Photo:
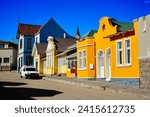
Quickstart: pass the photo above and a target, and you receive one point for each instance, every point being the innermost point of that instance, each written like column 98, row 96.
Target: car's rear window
column 30, row 69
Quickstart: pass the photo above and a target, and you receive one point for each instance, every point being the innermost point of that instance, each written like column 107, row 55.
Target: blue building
column 51, row 28
column 26, row 39
column 29, row 34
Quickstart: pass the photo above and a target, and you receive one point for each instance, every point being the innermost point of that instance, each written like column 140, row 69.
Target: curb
column 103, row 88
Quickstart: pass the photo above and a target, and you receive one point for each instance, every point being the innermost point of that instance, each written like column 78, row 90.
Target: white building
column 8, row 55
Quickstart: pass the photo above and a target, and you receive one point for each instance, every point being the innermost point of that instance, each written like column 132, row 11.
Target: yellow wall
column 52, row 70
column 62, row 69
column 105, row 43
column 68, row 72
column 126, row 71
column 89, row 46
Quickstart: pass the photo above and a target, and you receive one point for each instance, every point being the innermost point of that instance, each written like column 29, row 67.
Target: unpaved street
column 12, row 87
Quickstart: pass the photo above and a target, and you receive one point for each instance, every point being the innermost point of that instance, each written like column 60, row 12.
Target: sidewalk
column 100, row 85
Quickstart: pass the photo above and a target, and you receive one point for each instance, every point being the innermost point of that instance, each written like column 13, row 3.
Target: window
column 127, row 52
column 103, row 27
column 28, row 60
column 1, row 45
column 0, row 60
column 72, row 63
column 61, row 61
column 6, row 60
column 36, row 40
column 29, row 43
column 36, row 65
column 20, row 44
column 49, row 60
column 21, row 61
column 119, row 53
column 82, row 60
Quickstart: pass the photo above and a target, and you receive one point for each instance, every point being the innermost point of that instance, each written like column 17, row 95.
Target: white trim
column 97, row 60
column 85, row 45
column 109, row 78
column 126, row 64
column 117, row 64
column 99, row 51
column 47, row 62
column 82, row 68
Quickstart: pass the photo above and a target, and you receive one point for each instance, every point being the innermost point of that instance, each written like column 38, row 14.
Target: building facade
column 55, row 55
column 39, row 54
column 144, row 50
column 111, row 53
column 8, row 55
column 86, row 56
column 26, row 39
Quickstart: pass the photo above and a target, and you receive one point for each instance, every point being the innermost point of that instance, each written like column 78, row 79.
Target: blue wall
column 26, row 51
column 51, row 28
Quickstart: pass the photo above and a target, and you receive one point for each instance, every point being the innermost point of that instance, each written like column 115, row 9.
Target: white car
column 28, row 72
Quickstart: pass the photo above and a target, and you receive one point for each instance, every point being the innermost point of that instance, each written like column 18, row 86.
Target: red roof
column 41, row 47
column 28, row 29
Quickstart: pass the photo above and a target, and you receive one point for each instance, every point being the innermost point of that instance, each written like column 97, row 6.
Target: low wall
column 144, row 73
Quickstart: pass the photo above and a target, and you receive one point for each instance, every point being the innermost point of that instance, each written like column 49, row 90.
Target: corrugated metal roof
column 90, row 33
column 123, row 26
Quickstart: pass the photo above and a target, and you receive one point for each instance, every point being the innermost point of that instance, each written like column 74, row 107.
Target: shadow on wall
column 10, row 91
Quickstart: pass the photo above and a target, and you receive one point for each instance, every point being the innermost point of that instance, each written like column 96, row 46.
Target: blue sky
column 68, row 13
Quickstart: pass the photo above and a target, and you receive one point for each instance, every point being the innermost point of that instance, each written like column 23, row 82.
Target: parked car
column 28, row 72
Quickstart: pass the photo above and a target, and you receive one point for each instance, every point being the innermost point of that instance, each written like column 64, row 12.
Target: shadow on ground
column 10, row 91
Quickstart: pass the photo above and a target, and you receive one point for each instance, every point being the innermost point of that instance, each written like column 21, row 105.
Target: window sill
column 119, row 66
column 82, row 69
column 127, row 65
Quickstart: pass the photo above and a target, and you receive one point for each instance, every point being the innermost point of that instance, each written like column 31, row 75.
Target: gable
column 106, row 27
column 52, row 28
column 27, row 29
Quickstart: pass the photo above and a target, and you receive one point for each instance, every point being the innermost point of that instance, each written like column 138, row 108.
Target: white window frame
column 81, row 65
column 84, row 59
column 125, row 52
column 49, row 60
column 117, row 53
column 80, row 58
column 61, row 61
column 70, row 63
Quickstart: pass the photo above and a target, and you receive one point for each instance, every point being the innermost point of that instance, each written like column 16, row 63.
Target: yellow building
column 117, row 51
column 62, row 63
column 86, row 56
column 56, row 56
column 39, row 53
column 71, row 61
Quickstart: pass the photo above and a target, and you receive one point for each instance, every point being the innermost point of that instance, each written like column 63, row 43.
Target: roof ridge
column 29, row 24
